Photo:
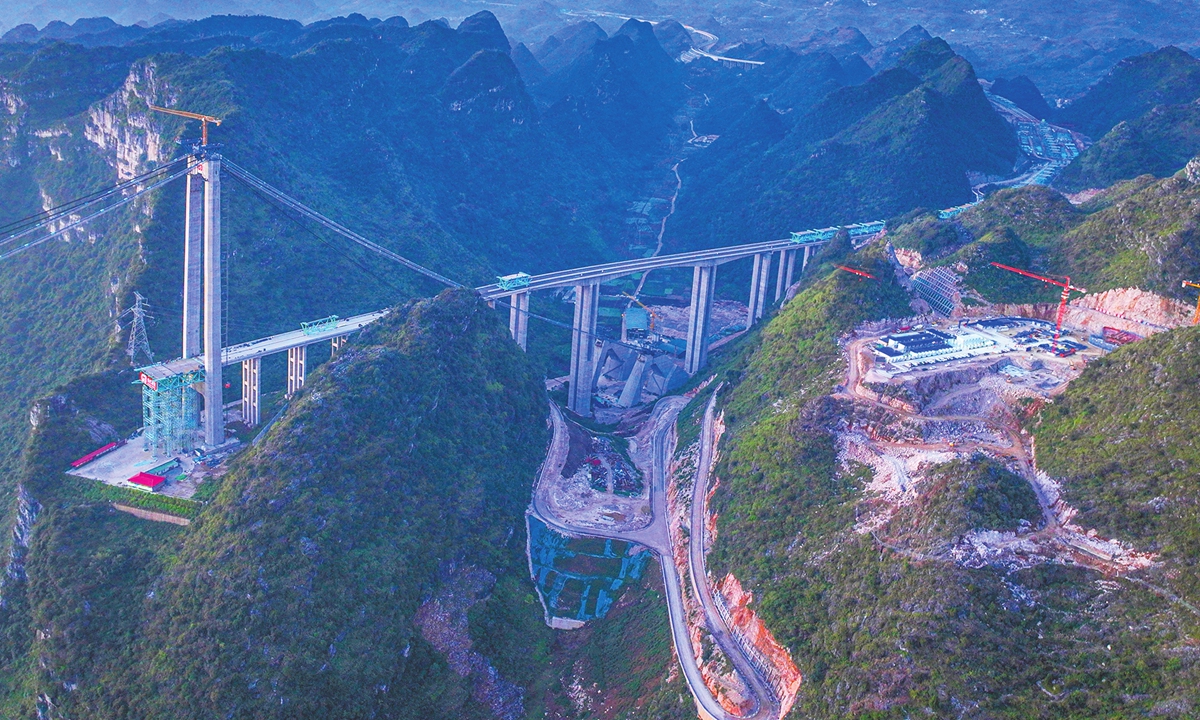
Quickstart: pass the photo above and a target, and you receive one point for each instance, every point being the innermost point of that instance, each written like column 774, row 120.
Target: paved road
column 656, row 536
column 763, row 694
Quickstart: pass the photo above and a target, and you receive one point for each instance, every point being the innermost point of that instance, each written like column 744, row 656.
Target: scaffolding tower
column 170, row 414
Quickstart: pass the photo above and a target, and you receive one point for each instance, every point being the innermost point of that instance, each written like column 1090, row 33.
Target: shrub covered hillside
column 1124, row 438
column 365, row 560
column 412, row 136
column 1139, row 233
column 903, row 139
column 904, row 631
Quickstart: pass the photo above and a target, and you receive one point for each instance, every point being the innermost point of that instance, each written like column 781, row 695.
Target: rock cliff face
column 771, row 657
column 27, row 513
column 121, row 124
column 1137, row 311
column 12, row 108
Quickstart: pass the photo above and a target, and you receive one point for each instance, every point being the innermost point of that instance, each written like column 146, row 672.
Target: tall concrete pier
column 518, row 318
column 583, row 330
column 703, row 287
column 214, row 418
column 760, row 280
column 251, row 391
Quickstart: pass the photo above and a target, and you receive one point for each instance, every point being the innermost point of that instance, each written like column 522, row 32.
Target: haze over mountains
column 369, row 554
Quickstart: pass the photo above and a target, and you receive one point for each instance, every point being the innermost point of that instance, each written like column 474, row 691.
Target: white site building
column 925, row 346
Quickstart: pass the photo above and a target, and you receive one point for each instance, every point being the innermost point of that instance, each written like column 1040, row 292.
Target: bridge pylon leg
column 583, row 330
column 251, row 391
column 518, row 318
column 703, row 288
column 297, row 357
column 214, row 407
column 193, row 264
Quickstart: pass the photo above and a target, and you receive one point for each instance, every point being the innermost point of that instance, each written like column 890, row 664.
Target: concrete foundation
column 703, row 288
column 518, row 318
column 214, row 419
column 297, row 358
column 251, row 391
column 587, row 305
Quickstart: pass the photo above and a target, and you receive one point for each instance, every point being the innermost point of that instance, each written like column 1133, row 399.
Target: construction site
column 925, row 395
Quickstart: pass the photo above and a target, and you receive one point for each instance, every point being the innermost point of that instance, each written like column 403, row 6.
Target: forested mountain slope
column 904, row 138
column 417, row 150
column 397, row 481
column 899, row 627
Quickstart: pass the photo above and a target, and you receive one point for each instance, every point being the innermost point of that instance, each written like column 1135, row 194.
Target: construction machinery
column 1196, row 315
column 204, row 120
column 1066, row 286
column 649, row 313
column 860, row 273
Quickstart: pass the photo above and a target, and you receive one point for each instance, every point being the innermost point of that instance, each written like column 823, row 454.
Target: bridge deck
column 609, row 271
column 295, row 338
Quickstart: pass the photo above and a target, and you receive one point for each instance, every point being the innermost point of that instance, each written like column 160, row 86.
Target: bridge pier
column 518, row 318
column 297, row 357
column 760, row 280
column 251, row 391
column 337, row 343
column 791, row 266
column 703, row 287
column 583, row 330
column 780, row 281
column 807, row 254
column 214, row 407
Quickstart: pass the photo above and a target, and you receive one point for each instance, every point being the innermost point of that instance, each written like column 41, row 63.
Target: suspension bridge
column 184, row 397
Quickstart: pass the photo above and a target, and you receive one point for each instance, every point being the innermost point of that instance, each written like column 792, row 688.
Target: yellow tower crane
column 649, row 312
column 1196, row 315
column 204, row 120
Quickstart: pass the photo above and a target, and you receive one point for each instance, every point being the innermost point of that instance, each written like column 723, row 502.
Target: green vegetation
column 1164, row 77
column 413, row 449
column 1123, row 438
column 901, row 140
column 1158, row 143
column 921, row 230
column 961, row 496
column 881, row 632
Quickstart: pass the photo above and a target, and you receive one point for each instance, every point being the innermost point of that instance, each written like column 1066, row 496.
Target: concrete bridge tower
column 214, row 406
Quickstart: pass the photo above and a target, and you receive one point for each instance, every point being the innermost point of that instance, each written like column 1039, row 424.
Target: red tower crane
column 861, row 273
column 1066, row 286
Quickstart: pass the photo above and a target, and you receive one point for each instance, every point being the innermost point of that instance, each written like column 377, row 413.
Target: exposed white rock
column 122, row 126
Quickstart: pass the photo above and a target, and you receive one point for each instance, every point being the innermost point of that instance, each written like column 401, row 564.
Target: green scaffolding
column 170, row 413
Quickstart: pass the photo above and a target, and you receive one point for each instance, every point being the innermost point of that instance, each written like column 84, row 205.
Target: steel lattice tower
column 137, row 329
